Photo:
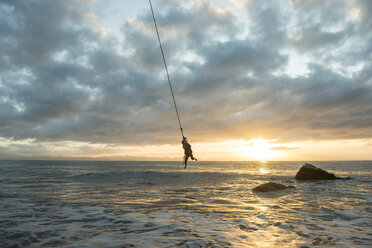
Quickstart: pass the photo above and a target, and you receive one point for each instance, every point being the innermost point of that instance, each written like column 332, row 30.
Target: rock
column 311, row 172
column 271, row 187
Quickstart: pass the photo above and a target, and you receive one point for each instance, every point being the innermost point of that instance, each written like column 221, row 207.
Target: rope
column 166, row 69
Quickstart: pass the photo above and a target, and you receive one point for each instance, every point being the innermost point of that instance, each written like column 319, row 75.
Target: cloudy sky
column 254, row 80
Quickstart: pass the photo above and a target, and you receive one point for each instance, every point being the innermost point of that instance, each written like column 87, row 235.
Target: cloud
column 63, row 77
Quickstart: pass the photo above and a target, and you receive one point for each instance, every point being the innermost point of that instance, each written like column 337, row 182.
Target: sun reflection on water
column 263, row 208
column 263, row 171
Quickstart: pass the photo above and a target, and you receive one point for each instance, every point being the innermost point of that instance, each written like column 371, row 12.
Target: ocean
column 159, row 204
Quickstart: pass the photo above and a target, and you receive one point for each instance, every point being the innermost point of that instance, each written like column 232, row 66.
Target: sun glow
column 259, row 150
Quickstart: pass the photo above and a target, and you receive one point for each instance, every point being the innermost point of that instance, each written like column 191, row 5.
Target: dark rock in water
column 271, row 187
column 311, row 172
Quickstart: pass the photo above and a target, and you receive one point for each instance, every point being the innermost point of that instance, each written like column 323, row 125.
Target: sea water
column 159, row 204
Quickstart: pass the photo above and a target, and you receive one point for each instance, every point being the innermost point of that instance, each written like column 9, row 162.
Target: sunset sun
column 259, row 150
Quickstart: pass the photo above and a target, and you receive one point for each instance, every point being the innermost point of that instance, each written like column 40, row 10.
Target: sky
column 253, row 80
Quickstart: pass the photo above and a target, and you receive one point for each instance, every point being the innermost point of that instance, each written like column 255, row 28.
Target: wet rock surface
column 311, row 172
column 266, row 187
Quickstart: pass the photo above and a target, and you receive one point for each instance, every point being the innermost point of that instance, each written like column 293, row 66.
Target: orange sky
column 232, row 150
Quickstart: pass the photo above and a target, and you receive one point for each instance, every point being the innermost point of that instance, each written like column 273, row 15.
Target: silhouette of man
column 188, row 151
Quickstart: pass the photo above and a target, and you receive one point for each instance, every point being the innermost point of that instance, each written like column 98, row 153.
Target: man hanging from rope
column 188, row 151
column 186, row 145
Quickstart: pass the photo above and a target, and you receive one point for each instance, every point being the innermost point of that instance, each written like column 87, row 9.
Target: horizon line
column 102, row 160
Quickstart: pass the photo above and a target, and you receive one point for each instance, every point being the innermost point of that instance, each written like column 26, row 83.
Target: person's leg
column 192, row 157
column 186, row 158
